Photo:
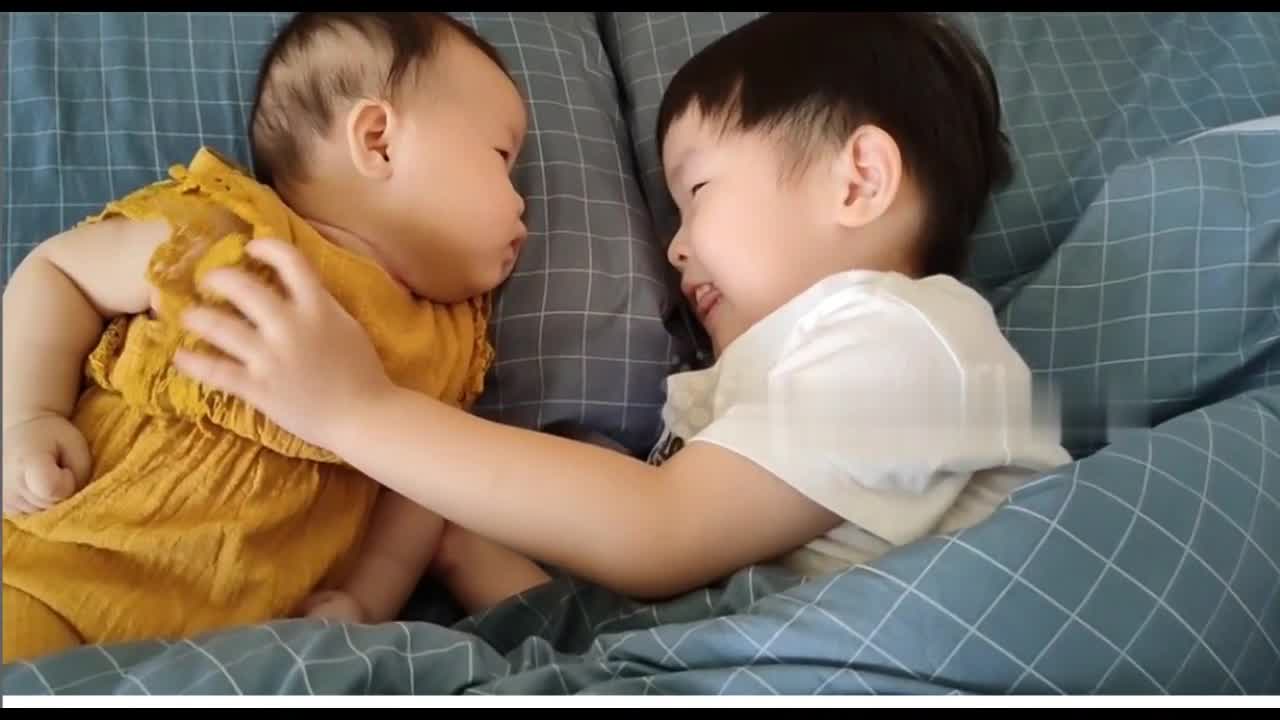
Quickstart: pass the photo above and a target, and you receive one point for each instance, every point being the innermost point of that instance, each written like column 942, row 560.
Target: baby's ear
column 868, row 172
column 370, row 124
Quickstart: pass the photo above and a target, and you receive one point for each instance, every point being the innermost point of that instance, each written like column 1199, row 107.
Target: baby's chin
column 482, row 285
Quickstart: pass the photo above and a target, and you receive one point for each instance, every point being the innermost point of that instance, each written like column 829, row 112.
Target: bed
column 1135, row 262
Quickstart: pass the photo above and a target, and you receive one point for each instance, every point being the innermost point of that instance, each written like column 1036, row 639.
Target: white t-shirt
column 894, row 402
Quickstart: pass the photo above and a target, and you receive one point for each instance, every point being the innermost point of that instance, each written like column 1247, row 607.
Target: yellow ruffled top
column 437, row 349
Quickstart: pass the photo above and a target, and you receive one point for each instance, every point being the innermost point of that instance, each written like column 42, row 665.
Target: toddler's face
column 748, row 241
column 458, row 225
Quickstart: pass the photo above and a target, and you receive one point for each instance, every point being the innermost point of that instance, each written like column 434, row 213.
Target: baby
column 829, row 170
column 146, row 505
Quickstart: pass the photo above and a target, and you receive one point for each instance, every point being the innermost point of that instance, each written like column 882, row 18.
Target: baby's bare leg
column 403, row 538
column 480, row 573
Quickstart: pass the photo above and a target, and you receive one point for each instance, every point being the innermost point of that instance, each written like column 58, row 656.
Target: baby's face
column 458, row 219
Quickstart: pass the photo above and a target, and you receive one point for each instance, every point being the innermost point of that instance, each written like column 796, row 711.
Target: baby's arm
column 403, row 538
column 55, row 306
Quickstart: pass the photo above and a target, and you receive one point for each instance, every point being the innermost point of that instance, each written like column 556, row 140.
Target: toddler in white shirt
column 825, row 212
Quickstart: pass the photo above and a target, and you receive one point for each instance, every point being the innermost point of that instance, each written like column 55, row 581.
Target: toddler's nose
column 678, row 251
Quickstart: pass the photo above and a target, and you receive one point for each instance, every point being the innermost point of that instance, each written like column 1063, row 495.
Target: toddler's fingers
column 225, row 375
column 298, row 278
column 253, row 298
column 224, row 331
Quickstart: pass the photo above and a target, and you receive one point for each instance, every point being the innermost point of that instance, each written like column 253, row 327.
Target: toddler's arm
column 55, row 306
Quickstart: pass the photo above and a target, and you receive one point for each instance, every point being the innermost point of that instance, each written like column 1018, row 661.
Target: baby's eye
column 506, row 156
column 694, row 190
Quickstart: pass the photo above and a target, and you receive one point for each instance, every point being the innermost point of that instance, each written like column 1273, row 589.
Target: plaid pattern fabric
column 1135, row 263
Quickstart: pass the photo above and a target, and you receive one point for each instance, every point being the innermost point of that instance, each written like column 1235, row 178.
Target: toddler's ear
column 370, row 124
column 868, row 172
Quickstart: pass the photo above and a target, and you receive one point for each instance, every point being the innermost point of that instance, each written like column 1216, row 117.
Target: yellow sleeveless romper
column 200, row 513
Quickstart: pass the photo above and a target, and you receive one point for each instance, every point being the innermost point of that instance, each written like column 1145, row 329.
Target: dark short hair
column 816, row 77
column 296, row 95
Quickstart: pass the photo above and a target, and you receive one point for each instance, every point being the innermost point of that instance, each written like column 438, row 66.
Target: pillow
column 101, row 103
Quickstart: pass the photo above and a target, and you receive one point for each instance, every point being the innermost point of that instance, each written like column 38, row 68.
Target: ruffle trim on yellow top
column 214, row 209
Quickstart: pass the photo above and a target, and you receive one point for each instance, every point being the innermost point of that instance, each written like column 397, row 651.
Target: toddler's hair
column 321, row 61
column 810, row 79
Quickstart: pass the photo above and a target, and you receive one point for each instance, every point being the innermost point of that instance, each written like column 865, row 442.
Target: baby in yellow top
column 141, row 505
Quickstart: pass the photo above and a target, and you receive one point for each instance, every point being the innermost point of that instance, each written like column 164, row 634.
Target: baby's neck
column 309, row 208
column 354, row 242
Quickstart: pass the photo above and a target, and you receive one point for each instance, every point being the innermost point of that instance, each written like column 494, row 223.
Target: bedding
column 1135, row 263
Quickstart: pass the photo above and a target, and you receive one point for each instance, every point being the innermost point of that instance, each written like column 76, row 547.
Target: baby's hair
column 303, row 79
column 811, row 79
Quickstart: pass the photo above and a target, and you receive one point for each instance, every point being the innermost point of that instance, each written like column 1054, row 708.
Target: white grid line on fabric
column 1272, row 596
column 8, row 156
column 151, row 95
column 408, row 644
column 1187, row 552
column 217, row 664
column 581, row 607
column 120, row 671
column 1209, row 423
column 1244, row 286
column 235, row 75
column 536, row 127
column 102, row 50
column 195, row 84
column 1109, row 563
column 1227, row 591
column 368, row 663
column 761, row 650
column 57, row 123
column 298, row 665
column 630, row 230
column 586, row 214
column 1035, row 200
column 1133, row 152
column 1015, row 576
column 1122, row 320
column 1159, row 600
column 909, row 589
column 856, row 676
column 1275, row 589
column 866, row 640
column 746, row 671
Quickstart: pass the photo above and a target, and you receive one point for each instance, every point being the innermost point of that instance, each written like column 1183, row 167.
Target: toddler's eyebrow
column 681, row 164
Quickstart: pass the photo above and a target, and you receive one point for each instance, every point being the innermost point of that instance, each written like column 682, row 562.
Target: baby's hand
column 46, row 460
column 334, row 605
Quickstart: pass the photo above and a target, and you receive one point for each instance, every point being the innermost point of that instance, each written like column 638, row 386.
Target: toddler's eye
column 694, row 190
column 506, row 156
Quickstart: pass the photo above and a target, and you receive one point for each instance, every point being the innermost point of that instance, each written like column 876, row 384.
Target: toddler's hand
column 334, row 605
column 302, row 360
column 46, row 460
